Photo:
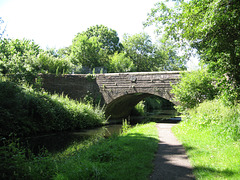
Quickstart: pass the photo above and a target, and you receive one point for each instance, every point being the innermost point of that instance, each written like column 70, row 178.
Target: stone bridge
column 120, row 92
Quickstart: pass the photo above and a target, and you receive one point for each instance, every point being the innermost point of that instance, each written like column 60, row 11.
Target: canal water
column 58, row 142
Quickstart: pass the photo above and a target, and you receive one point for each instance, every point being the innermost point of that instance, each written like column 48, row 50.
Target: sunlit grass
column 128, row 156
column 213, row 149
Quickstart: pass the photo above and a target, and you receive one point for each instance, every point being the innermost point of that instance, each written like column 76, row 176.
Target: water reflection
column 59, row 142
column 162, row 115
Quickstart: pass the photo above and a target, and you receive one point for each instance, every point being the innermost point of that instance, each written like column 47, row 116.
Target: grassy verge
column 27, row 111
column 127, row 156
column 210, row 135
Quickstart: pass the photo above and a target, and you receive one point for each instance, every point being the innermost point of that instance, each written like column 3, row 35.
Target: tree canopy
column 147, row 56
column 107, row 37
column 210, row 26
column 92, row 47
column 15, row 55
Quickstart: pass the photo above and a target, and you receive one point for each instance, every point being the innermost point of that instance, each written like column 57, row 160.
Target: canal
column 59, row 142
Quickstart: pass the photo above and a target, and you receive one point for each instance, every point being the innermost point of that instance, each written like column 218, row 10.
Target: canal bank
column 127, row 156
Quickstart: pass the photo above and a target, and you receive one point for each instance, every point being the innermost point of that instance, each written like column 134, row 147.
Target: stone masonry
column 120, row 92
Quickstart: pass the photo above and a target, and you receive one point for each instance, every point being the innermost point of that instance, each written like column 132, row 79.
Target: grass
column 26, row 111
column 211, row 137
column 127, row 156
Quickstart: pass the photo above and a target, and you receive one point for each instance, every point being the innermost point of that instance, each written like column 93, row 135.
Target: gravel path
column 171, row 161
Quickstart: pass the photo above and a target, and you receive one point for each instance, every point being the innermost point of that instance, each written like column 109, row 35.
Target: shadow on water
column 59, row 142
column 159, row 116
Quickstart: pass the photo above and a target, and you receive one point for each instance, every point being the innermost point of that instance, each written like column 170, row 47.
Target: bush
column 157, row 103
column 138, row 110
column 47, row 63
column 194, row 87
column 17, row 57
column 221, row 119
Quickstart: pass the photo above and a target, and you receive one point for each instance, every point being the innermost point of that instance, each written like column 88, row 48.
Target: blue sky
column 54, row 23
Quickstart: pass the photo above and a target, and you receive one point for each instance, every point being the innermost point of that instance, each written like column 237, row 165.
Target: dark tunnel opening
column 123, row 106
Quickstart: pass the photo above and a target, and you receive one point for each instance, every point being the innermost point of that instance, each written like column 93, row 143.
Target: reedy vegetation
column 27, row 111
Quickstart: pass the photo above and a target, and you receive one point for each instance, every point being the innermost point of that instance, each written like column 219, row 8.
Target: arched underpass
column 121, row 107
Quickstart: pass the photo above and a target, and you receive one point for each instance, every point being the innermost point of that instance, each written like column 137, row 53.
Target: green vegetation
column 23, row 60
column 155, row 103
column 26, row 111
column 208, row 97
column 211, row 27
column 211, row 133
column 150, row 105
column 48, row 63
column 193, row 88
column 147, row 56
column 91, row 48
column 127, row 156
column 120, row 62
column 97, row 47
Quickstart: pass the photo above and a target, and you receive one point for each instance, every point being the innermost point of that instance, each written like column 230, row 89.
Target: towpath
column 171, row 161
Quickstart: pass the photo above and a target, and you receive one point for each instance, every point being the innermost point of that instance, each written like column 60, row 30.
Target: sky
column 54, row 23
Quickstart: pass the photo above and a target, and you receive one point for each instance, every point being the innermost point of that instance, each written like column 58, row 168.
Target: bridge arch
column 122, row 106
column 117, row 90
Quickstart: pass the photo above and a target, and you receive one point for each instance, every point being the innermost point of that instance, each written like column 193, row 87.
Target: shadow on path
column 171, row 161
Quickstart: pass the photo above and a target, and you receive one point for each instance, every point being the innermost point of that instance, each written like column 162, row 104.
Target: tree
column 140, row 49
column 87, row 51
column 210, row 26
column 14, row 55
column 17, row 58
column 92, row 47
column 107, row 37
column 147, row 56
column 23, row 60
column 120, row 62
column 168, row 52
